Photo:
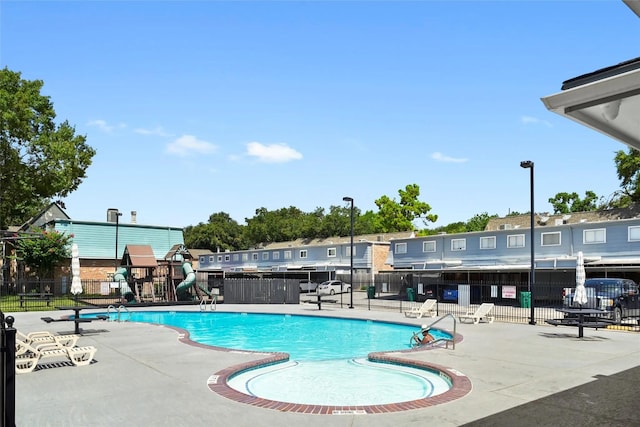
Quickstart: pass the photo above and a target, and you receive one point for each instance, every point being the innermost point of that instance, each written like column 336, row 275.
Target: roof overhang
column 606, row 100
column 633, row 5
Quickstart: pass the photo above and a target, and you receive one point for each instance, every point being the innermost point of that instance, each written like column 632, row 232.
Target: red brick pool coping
column 460, row 383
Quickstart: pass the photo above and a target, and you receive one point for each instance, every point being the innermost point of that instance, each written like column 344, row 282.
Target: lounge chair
column 28, row 356
column 45, row 337
column 426, row 309
column 481, row 314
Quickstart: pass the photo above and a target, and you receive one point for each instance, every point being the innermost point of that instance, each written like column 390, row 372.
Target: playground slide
column 187, row 283
column 120, row 276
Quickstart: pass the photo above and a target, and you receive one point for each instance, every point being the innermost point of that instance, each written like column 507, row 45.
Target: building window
column 458, row 244
column 219, row 258
column 265, row 256
column 303, row 253
column 275, row 255
column 331, row 252
column 429, row 246
column 551, row 239
column 400, row 248
column 236, row 257
column 348, row 251
column 597, row 235
column 212, row 258
column 287, row 254
column 245, row 257
column 254, row 256
column 515, row 241
column 203, row 259
column 227, row 258
column 488, row 242
column 634, row 234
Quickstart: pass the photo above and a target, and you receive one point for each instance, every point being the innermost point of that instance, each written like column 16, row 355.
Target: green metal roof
column 97, row 240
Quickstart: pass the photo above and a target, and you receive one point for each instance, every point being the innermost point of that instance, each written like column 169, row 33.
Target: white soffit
column 610, row 106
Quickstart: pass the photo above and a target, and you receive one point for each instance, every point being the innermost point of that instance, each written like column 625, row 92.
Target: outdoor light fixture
column 350, row 199
column 528, row 164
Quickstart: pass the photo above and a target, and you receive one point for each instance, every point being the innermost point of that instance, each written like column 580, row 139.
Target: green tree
column 628, row 167
column 399, row 216
column 479, row 222
column 39, row 160
column 42, row 251
column 276, row 226
column 220, row 233
column 570, row 202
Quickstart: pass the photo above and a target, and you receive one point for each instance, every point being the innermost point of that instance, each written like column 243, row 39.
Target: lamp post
column 350, row 199
column 118, row 215
column 528, row 164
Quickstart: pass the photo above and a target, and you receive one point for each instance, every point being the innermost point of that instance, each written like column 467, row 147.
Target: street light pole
column 528, row 164
column 350, row 199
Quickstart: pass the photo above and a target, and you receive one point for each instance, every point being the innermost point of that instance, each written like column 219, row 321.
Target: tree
column 479, row 222
column 628, row 167
column 399, row 216
column 220, row 233
column 39, row 160
column 42, row 251
column 564, row 203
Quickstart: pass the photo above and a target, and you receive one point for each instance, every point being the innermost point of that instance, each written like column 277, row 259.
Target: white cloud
column 529, row 120
column 274, row 153
column 188, row 144
column 158, row 131
column 442, row 158
column 104, row 126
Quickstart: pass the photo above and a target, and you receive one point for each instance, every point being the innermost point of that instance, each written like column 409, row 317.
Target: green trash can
column 371, row 292
column 410, row 294
column 525, row 299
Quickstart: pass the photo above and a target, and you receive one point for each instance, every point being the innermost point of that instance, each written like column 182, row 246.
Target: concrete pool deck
column 520, row 374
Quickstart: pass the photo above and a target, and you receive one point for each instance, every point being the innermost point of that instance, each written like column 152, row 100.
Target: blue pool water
column 303, row 337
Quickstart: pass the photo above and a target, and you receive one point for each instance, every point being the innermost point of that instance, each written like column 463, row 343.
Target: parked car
column 308, row 286
column 619, row 297
column 332, row 287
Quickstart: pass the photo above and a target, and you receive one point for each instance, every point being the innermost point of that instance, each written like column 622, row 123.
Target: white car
column 332, row 287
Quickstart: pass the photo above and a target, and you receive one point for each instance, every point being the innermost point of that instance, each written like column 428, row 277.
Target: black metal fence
column 7, row 371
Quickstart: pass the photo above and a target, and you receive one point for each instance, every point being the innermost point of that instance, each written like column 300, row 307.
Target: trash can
column 525, row 299
column 410, row 294
column 371, row 292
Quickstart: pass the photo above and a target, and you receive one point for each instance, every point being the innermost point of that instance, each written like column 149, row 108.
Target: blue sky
column 202, row 107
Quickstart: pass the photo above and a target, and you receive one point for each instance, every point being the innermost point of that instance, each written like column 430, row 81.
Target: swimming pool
column 328, row 364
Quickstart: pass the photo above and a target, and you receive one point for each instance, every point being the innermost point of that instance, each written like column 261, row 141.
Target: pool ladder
column 212, row 304
column 445, row 340
column 119, row 310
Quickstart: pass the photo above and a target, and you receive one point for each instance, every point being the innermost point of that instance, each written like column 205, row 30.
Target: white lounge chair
column 45, row 337
column 426, row 309
column 481, row 314
column 28, row 356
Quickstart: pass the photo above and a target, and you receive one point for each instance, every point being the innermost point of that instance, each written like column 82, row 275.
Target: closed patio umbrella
column 76, row 284
column 580, row 294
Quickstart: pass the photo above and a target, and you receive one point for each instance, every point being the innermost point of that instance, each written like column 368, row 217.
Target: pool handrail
column 212, row 304
column 446, row 340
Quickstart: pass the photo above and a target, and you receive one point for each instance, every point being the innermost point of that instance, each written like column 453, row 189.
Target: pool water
column 328, row 356
column 350, row 382
column 302, row 337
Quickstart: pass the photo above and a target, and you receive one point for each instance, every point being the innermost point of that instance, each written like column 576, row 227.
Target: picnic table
column 320, row 301
column 582, row 318
column 76, row 318
column 39, row 296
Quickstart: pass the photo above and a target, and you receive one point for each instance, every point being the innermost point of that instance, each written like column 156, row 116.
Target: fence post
column 8, row 370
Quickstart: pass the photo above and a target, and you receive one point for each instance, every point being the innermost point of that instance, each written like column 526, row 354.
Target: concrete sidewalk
column 521, row 375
